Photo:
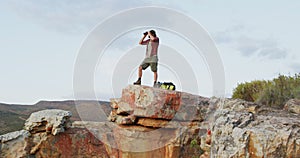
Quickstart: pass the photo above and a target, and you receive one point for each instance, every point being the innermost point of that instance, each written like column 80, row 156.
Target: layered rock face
column 151, row 122
column 244, row 129
column 140, row 104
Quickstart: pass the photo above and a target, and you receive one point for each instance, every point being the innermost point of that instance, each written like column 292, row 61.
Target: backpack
column 167, row 85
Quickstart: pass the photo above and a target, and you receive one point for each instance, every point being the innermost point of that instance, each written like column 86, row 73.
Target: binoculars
column 145, row 33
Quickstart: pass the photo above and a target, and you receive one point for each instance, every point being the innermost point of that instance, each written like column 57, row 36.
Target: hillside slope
column 13, row 116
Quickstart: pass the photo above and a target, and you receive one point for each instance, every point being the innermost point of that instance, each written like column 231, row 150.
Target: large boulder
column 162, row 104
column 293, row 105
column 237, row 105
column 52, row 121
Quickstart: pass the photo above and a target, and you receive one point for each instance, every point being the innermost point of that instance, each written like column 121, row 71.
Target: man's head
column 152, row 32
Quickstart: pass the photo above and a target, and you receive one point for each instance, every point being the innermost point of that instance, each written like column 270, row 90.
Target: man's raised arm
column 142, row 40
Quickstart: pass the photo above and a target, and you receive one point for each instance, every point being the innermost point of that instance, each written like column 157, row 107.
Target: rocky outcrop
column 245, row 129
column 159, row 123
column 13, row 144
column 39, row 127
column 151, row 122
column 147, row 122
column 293, row 106
column 154, row 103
column 51, row 121
column 247, row 135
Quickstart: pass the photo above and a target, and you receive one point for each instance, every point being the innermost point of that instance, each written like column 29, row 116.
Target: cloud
column 69, row 16
column 273, row 53
column 239, row 37
column 73, row 16
column 227, row 35
column 246, row 46
column 266, row 48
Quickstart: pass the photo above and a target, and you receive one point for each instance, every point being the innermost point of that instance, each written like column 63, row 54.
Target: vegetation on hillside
column 273, row 93
column 11, row 122
column 12, row 117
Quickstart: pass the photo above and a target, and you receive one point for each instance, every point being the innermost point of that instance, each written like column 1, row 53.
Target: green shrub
column 194, row 143
column 272, row 93
column 249, row 91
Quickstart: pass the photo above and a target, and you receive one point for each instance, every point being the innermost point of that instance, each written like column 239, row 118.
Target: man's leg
column 142, row 67
column 154, row 70
column 155, row 83
column 140, row 72
column 155, row 76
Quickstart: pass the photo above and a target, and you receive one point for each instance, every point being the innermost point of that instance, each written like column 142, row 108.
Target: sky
column 40, row 42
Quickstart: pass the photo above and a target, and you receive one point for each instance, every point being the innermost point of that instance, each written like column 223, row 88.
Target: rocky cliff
column 151, row 122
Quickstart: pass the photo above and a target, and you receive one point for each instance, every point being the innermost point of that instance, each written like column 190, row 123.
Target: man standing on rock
column 151, row 58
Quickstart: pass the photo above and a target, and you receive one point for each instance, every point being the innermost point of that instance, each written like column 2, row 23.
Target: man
column 151, row 58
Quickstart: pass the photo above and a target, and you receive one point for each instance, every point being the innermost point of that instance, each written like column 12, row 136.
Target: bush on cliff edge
column 271, row 93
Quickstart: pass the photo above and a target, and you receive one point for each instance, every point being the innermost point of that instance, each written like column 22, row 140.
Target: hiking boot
column 156, row 84
column 138, row 82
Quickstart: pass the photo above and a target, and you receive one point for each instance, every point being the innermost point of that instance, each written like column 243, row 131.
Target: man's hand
column 142, row 40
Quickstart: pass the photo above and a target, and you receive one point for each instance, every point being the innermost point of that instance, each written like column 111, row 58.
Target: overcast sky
column 40, row 40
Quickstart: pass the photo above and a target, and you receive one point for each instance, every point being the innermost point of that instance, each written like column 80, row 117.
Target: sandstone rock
column 155, row 123
column 114, row 102
column 293, row 105
column 240, row 134
column 12, row 144
column 162, row 104
column 112, row 116
column 159, row 123
column 53, row 121
column 205, row 155
column 234, row 105
column 149, row 142
column 148, row 102
column 125, row 120
column 124, row 109
column 101, row 139
column 13, row 135
column 119, row 141
column 74, row 142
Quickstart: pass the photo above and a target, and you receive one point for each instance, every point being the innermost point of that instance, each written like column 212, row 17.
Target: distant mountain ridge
column 13, row 116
